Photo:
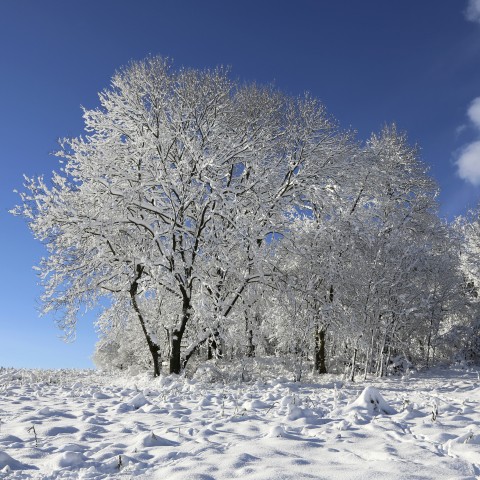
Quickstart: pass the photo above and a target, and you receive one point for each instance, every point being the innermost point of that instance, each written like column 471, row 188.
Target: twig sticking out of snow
column 434, row 410
column 32, row 429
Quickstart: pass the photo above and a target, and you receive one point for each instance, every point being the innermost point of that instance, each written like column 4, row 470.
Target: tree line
column 218, row 219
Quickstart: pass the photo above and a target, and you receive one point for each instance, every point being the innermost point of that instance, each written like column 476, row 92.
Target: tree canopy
column 210, row 214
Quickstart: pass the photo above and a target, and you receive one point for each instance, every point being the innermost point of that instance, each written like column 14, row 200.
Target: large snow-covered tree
column 180, row 180
column 201, row 212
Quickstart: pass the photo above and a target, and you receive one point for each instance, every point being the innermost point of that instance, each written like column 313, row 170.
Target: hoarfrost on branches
column 228, row 220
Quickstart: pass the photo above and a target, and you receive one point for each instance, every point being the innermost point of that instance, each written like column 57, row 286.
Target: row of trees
column 210, row 217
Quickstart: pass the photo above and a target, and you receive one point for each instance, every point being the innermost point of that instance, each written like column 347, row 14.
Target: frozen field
column 91, row 426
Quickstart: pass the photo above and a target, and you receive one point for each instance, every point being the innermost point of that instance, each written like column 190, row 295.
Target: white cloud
column 474, row 112
column 468, row 161
column 468, row 164
column 473, row 11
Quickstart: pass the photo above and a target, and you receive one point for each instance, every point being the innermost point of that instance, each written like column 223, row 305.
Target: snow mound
column 46, row 411
column 277, row 431
column 295, row 413
column 372, row 401
column 71, row 459
column 8, row 439
column 53, row 431
column 72, row 447
column 8, row 463
column 100, row 396
column 255, row 405
column 151, row 440
column 287, row 400
column 49, row 412
column 138, row 401
column 118, row 462
column 123, row 408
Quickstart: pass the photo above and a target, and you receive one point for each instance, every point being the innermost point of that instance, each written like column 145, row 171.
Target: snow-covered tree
column 181, row 173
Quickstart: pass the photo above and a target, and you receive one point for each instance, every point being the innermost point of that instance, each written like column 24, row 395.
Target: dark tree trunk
column 354, row 361
column 320, row 352
column 250, row 345
column 250, row 350
column 175, row 363
column 152, row 346
column 320, row 355
column 215, row 346
column 209, row 350
column 177, row 335
column 155, row 353
column 429, row 340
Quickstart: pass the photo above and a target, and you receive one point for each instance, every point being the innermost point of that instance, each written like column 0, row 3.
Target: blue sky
column 416, row 63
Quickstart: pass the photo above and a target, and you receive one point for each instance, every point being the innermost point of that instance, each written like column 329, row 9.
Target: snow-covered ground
column 91, row 426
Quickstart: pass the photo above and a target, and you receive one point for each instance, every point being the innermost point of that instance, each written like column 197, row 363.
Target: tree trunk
column 191, row 351
column 381, row 358
column 250, row 345
column 320, row 353
column 209, row 349
column 175, row 363
column 250, row 350
column 214, row 347
column 155, row 353
column 354, row 360
column 217, row 345
column 429, row 340
column 368, row 360
column 177, row 335
column 152, row 346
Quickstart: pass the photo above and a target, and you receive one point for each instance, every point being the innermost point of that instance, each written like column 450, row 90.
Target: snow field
column 90, row 426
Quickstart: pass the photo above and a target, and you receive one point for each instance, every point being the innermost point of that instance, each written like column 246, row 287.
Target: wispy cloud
column 474, row 112
column 473, row 11
column 468, row 162
column 459, row 130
